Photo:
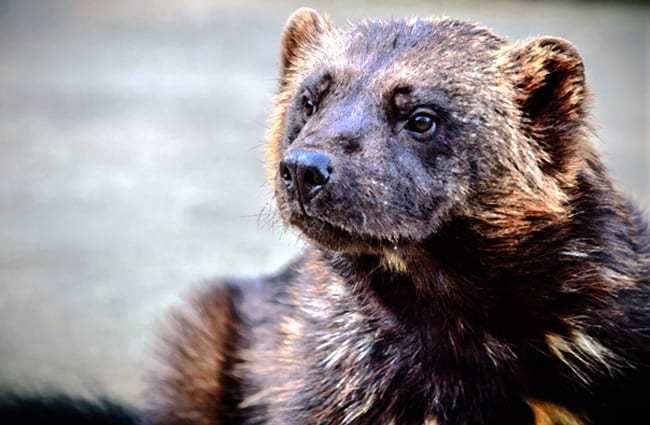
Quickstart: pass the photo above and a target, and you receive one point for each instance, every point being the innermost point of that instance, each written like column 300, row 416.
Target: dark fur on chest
column 475, row 348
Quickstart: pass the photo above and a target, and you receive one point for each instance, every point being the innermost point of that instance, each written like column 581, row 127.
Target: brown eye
column 308, row 107
column 421, row 122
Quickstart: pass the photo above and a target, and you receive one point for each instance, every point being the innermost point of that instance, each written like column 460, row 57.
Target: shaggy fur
column 470, row 261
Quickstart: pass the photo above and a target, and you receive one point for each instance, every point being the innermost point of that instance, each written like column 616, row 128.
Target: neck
column 460, row 277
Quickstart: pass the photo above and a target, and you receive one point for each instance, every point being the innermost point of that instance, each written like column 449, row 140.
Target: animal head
column 385, row 131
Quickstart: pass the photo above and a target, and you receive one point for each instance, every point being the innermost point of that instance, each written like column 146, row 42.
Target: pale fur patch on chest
column 583, row 354
column 393, row 261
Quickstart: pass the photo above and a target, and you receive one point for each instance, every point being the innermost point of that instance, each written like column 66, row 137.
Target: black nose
column 305, row 172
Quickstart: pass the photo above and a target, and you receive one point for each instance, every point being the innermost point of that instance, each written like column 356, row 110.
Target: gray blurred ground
column 131, row 159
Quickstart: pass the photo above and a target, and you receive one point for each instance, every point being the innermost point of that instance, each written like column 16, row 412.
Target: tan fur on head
column 552, row 94
column 550, row 98
column 302, row 29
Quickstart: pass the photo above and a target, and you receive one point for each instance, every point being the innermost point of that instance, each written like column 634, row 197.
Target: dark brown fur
column 483, row 272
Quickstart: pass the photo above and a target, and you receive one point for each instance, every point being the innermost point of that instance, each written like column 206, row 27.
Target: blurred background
column 131, row 158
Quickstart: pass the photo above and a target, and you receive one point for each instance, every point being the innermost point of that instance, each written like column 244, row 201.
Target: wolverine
column 469, row 261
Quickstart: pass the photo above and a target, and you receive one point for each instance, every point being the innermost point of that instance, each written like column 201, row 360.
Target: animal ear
column 552, row 95
column 303, row 28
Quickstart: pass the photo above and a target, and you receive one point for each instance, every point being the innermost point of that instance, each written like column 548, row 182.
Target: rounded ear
column 552, row 94
column 303, row 28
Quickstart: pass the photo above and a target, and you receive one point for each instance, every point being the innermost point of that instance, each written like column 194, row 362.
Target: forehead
column 425, row 52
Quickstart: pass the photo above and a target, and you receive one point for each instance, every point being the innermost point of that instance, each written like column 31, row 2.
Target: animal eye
column 421, row 122
column 308, row 106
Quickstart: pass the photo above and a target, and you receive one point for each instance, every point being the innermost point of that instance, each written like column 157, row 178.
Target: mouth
column 336, row 236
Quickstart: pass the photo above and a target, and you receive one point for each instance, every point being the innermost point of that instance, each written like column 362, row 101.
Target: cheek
column 430, row 184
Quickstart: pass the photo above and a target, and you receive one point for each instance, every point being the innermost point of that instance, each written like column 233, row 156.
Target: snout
column 305, row 173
